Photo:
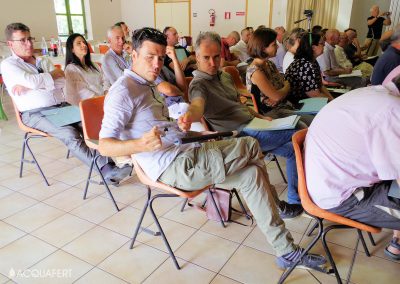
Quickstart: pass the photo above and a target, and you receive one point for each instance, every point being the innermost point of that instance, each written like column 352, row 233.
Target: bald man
column 228, row 58
column 375, row 23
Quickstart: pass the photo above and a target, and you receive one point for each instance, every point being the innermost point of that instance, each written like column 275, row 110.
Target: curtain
column 325, row 13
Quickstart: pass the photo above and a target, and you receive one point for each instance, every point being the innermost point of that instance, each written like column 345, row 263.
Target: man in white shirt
column 240, row 49
column 280, row 53
column 35, row 85
column 116, row 59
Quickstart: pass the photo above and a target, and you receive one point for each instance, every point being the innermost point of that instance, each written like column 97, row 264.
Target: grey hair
column 13, row 27
column 111, row 29
column 396, row 34
column 211, row 36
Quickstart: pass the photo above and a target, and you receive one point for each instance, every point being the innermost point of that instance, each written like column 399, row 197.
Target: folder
column 355, row 73
column 259, row 124
column 63, row 115
column 311, row 105
column 180, row 54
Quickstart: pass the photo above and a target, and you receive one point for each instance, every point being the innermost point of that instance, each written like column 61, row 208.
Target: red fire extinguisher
column 212, row 17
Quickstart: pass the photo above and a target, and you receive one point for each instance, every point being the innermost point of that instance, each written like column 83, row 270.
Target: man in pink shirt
column 352, row 158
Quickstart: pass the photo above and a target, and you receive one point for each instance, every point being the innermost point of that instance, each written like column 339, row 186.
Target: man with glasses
column 35, row 85
column 135, row 124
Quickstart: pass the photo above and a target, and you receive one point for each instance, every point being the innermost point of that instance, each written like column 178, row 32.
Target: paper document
column 338, row 90
column 355, row 73
column 275, row 124
column 312, row 105
column 63, row 115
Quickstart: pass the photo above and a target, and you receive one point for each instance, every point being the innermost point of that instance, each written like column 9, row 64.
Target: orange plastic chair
column 236, row 79
column 92, row 115
column 320, row 214
column 58, row 66
column 171, row 192
column 90, row 48
column 103, row 48
column 29, row 133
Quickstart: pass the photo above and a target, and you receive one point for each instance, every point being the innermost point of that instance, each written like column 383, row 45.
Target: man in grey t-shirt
column 135, row 122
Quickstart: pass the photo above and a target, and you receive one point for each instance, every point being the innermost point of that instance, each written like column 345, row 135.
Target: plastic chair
column 320, row 214
column 92, row 115
column 29, row 133
column 3, row 115
column 171, row 192
column 103, row 48
column 236, row 79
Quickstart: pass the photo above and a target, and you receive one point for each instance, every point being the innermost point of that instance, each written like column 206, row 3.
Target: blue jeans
column 278, row 142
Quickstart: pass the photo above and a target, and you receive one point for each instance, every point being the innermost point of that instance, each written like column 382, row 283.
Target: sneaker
column 115, row 175
column 309, row 260
column 289, row 211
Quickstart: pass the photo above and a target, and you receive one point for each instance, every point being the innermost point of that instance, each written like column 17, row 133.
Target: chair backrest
column 92, row 115
column 188, row 80
column 58, row 66
column 25, row 128
column 147, row 181
column 90, row 47
column 236, row 77
column 103, row 48
column 308, row 205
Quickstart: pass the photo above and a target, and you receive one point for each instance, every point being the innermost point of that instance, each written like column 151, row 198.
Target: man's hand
column 267, row 118
column 151, row 140
column 348, row 70
column 19, row 90
column 185, row 122
column 57, row 73
column 170, row 51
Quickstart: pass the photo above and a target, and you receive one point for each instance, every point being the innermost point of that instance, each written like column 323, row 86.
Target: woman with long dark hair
column 303, row 73
column 84, row 78
column 263, row 79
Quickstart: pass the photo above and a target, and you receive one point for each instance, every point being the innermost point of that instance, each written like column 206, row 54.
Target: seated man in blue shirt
column 134, row 123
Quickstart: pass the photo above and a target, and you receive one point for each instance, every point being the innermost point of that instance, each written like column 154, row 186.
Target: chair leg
column 171, row 253
column 371, row 238
column 361, row 237
column 306, row 250
column 139, row 224
column 244, row 211
column 105, row 183
column 34, row 159
column 312, row 229
column 21, row 166
column 184, row 204
column 279, row 168
column 68, row 154
column 328, row 252
column 89, row 177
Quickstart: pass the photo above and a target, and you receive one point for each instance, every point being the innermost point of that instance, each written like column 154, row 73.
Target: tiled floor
column 51, row 235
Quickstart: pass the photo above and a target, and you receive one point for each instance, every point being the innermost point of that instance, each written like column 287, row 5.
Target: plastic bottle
column 44, row 47
column 60, row 47
column 53, row 47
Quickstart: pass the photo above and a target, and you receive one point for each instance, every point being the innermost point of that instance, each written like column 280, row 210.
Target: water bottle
column 44, row 47
column 53, row 47
column 60, row 47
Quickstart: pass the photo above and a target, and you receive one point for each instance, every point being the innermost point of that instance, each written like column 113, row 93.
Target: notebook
column 180, row 54
column 355, row 73
column 311, row 105
column 289, row 122
column 63, row 116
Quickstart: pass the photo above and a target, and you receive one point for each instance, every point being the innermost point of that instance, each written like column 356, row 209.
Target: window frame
column 69, row 16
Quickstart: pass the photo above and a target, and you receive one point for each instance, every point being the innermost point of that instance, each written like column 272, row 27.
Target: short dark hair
column 165, row 30
column 70, row 57
column 13, row 27
column 305, row 48
column 262, row 38
column 350, row 29
column 316, row 29
column 150, row 34
column 119, row 24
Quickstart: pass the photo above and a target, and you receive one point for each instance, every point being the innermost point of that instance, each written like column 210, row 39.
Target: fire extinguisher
column 212, row 17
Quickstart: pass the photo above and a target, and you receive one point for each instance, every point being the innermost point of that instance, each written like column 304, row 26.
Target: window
column 70, row 16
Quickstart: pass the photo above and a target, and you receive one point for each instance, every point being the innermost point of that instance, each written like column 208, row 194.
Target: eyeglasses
column 24, row 40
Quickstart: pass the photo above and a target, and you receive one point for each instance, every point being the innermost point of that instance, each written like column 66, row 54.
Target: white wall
column 134, row 18
column 344, row 14
column 222, row 26
column 257, row 13
column 39, row 16
column 104, row 14
column 173, row 15
column 279, row 9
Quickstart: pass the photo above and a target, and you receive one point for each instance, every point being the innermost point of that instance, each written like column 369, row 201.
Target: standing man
column 133, row 123
column 116, row 58
column 213, row 95
column 352, row 164
column 34, row 86
column 375, row 24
